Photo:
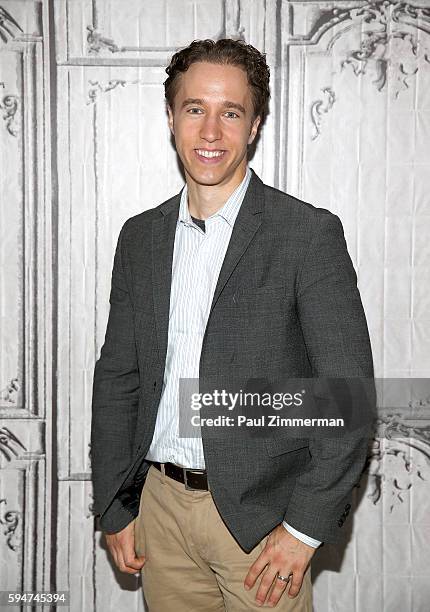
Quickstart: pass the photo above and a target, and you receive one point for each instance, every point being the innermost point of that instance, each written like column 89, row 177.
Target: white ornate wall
column 84, row 144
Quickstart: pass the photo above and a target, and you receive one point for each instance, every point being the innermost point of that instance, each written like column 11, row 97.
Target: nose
column 210, row 128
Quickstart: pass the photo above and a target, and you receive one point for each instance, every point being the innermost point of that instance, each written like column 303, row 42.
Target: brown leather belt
column 194, row 480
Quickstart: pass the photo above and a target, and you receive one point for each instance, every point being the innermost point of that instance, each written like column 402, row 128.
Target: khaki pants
column 193, row 562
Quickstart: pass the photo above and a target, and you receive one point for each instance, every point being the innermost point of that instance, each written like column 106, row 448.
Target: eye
column 230, row 113
column 190, row 110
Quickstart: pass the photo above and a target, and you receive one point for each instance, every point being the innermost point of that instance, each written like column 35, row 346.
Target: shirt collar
column 228, row 211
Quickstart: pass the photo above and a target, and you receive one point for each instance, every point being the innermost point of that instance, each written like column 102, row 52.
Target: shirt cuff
column 301, row 536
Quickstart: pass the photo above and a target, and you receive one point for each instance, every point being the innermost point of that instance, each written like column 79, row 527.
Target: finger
column 265, row 585
column 127, row 546
column 131, row 560
column 135, row 563
column 296, row 584
column 255, row 570
column 124, row 555
column 278, row 588
column 125, row 566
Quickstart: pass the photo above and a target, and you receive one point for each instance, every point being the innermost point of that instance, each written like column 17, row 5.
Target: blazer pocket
column 278, row 445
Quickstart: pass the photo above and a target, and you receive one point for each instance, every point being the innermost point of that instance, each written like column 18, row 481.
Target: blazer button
column 155, row 385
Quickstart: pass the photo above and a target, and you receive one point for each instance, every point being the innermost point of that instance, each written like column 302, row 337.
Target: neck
column 206, row 200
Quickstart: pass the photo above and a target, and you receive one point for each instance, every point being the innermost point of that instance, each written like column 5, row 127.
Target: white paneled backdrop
column 84, row 144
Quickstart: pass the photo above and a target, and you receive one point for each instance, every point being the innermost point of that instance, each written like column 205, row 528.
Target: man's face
column 212, row 122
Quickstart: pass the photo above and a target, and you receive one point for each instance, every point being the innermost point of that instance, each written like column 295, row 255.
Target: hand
column 285, row 554
column 121, row 547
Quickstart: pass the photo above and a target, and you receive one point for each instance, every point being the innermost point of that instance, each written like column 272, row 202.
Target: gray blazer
column 286, row 305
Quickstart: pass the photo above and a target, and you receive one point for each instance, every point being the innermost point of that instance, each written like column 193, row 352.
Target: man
column 230, row 275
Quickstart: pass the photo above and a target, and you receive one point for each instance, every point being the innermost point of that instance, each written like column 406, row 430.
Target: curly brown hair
column 223, row 51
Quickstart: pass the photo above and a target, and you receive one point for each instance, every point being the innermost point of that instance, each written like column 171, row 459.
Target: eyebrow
column 225, row 103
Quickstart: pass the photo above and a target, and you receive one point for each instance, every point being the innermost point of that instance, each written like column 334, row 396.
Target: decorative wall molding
column 392, row 487
column 319, row 108
column 8, row 441
column 9, row 104
column 90, row 509
column 391, row 47
column 8, row 393
column 96, row 42
column 382, row 12
column 97, row 88
column 7, row 24
column 11, row 520
column 402, row 437
column 377, row 46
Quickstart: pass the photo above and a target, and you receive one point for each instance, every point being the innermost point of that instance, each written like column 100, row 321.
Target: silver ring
column 284, row 578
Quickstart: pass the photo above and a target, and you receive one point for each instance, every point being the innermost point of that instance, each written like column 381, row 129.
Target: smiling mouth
column 207, row 156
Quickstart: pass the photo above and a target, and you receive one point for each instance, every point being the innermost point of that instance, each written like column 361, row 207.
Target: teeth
column 209, row 153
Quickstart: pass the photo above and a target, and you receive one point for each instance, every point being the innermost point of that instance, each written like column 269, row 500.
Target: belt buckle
column 187, row 486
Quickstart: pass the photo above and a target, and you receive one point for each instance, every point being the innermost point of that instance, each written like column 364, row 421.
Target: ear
column 254, row 129
column 170, row 119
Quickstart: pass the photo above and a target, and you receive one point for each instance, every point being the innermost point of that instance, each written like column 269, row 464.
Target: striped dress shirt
column 197, row 259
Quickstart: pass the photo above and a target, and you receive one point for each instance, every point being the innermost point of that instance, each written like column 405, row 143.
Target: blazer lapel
column 247, row 223
column 163, row 240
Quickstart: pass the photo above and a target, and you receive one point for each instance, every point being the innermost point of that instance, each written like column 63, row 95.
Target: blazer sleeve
column 115, row 401
column 337, row 342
